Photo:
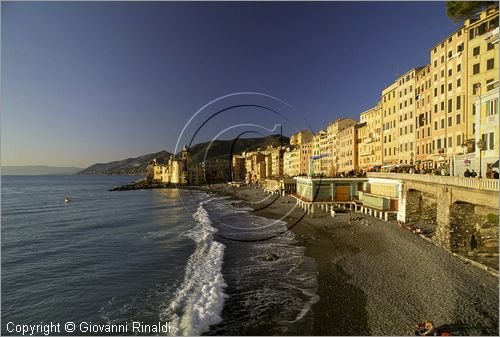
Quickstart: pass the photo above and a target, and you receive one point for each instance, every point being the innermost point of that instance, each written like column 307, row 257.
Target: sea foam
column 198, row 302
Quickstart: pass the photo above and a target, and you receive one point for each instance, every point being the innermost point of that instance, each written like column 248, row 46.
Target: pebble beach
column 377, row 278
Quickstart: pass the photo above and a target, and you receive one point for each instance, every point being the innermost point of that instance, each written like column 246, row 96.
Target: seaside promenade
column 378, row 278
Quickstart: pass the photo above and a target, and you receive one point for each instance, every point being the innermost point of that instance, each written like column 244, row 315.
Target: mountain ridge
column 219, row 149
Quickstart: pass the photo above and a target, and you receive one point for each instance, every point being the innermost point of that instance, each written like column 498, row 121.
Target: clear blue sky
column 93, row 82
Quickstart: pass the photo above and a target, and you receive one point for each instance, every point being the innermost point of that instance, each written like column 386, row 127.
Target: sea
column 194, row 261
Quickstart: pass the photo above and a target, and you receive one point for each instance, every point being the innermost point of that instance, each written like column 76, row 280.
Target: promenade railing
column 476, row 183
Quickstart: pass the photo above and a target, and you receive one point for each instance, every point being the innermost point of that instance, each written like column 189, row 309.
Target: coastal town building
column 390, row 125
column 333, row 129
column 482, row 60
column 449, row 83
column 348, row 149
column 423, row 119
column 305, row 157
column 301, row 137
column 291, row 161
column 405, row 114
column 370, row 139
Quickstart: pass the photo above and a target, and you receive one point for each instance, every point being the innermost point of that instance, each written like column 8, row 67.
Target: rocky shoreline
column 376, row 277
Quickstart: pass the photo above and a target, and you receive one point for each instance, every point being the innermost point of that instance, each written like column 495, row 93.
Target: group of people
column 490, row 174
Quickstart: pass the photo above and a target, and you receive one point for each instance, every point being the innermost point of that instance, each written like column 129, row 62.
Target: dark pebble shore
column 376, row 278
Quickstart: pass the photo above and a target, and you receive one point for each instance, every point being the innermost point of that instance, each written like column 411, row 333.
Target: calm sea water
column 146, row 256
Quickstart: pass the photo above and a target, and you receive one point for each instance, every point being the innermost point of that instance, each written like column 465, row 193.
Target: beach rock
column 272, row 257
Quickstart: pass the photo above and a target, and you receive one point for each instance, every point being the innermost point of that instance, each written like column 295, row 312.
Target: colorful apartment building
column 390, row 144
column 348, row 149
column 423, row 119
column 370, row 139
column 405, row 93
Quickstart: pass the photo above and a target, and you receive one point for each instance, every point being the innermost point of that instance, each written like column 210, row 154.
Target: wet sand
column 375, row 278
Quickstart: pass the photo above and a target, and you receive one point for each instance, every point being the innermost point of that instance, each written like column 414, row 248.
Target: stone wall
column 473, row 234
column 421, row 210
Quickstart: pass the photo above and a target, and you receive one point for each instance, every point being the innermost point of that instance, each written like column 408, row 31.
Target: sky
column 87, row 82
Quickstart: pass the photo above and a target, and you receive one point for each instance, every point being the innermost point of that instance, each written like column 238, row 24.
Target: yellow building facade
column 390, row 144
column 370, row 138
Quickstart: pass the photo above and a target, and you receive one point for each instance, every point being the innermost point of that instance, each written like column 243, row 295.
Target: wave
column 198, row 302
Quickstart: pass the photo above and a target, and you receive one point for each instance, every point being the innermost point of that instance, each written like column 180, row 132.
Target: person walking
column 467, row 173
column 473, row 174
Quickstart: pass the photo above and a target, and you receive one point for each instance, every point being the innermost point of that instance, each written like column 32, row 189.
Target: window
column 439, row 143
column 442, row 58
column 475, row 51
column 435, row 108
column 459, row 83
column 450, row 86
column 450, row 72
column 442, row 88
column 491, row 107
column 490, row 64
column 459, row 102
column 442, row 123
column 411, row 128
column 490, row 46
column 442, row 106
column 475, row 69
column 473, row 109
column 459, row 139
column 435, row 77
column 450, row 105
column 435, row 91
column 458, row 119
column 435, row 63
column 475, row 88
column 450, row 121
column 435, row 125
column 406, row 130
column 459, row 68
column 491, row 143
column 442, row 73
column 450, row 142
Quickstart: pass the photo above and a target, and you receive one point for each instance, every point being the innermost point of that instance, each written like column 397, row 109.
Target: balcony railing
column 476, row 183
column 492, row 36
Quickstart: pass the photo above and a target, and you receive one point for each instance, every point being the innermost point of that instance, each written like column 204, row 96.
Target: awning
column 495, row 164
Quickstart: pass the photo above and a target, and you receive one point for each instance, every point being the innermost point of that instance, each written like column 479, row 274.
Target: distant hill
column 129, row 166
column 219, row 149
column 222, row 148
column 35, row 170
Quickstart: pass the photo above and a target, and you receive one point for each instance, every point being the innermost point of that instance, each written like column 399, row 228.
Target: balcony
column 492, row 36
column 366, row 153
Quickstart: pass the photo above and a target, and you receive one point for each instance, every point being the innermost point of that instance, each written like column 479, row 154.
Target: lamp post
column 481, row 145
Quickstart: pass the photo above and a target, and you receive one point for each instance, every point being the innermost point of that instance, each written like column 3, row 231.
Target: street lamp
column 481, row 145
